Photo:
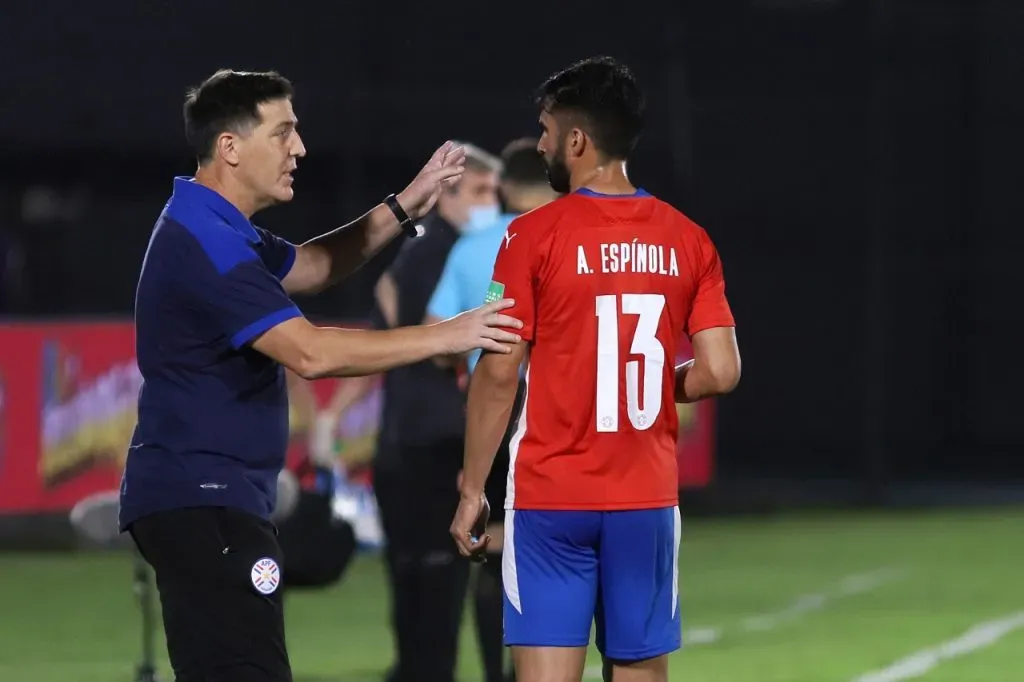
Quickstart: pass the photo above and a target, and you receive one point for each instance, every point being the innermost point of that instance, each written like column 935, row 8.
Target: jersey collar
column 638, row 194
column 188, row 191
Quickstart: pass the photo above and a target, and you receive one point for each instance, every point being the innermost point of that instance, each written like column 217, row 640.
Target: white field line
column 848, row 586
column 851, row 585
column 920, row 662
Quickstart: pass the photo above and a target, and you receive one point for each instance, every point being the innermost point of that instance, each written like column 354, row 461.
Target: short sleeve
column 276, row 253
column 710, row 307
column 444, row 302
column 246, row 301
column 515, row 276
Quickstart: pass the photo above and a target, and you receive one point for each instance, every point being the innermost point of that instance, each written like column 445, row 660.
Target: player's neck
column 209, row 177
column 605, row 178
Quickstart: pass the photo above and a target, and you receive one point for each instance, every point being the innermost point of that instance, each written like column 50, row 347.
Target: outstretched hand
column 443, row 170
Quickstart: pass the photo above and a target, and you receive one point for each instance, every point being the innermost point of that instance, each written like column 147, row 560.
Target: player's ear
column 577, row 142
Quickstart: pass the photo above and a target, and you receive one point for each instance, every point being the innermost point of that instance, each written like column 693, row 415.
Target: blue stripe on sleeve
column 286, row 267
column 250, row 332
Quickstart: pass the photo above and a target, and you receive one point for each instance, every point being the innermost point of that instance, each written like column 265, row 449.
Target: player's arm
column 492, row 387
column 329, row 258
column 492, row 393
column 714, row 369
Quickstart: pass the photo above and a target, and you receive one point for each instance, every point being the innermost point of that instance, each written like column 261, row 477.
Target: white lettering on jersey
column 582, row 268
column 642, row 258
column 642, row 407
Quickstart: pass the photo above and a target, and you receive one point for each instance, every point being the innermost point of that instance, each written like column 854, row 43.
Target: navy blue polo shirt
column 213, row 412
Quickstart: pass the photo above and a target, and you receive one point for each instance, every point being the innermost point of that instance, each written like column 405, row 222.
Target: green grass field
column 789, row 599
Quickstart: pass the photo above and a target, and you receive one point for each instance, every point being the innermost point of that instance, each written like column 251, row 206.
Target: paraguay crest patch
column 265, row 575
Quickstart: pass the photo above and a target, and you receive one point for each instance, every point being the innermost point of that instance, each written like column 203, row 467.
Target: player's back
column 615, row 282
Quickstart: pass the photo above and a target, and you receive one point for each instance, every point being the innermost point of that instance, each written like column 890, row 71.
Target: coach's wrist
column 438, row 338
column 411, row 207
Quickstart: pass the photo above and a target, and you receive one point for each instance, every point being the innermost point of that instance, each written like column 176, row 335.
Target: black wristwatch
column 404, row 221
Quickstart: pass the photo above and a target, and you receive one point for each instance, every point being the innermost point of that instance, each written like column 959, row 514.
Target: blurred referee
column 214, row 326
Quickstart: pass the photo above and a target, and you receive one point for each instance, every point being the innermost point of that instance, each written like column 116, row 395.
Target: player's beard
column 558, row 171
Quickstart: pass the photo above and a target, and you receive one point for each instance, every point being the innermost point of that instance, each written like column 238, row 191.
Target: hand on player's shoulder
column 485, row 327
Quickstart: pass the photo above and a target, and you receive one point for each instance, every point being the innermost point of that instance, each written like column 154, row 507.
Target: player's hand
column 479, row 328
column 443, row 170
column 470, row 525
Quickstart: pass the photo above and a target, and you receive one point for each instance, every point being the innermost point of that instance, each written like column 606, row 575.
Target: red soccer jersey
column 604, row 286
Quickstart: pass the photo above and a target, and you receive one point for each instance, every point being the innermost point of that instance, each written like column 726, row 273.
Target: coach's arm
column 329, row 258
column 315, row 352
column 444, row 361
column 714, row 369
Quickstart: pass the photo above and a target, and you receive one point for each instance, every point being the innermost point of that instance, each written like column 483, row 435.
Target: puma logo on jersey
column 509, row 238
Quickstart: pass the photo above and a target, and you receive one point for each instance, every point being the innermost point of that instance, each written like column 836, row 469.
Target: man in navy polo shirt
column 214, row 329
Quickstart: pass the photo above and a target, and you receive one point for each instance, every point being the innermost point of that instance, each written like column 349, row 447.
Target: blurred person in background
column 523, row 187
column 419, row 447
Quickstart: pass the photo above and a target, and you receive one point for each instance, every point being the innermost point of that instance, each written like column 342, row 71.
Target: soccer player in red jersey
column 604, row 280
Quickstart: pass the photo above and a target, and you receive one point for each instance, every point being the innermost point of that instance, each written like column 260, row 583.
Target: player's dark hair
column 523, row 164
column 605, row 94
column 228, row 101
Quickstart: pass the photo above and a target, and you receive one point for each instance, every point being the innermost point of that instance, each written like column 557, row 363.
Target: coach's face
column 271, row 152
column 552, row 146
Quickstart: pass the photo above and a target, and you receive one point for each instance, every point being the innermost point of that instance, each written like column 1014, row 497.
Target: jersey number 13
column 645, row 343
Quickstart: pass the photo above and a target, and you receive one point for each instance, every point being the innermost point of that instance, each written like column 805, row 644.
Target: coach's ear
column 227, row 148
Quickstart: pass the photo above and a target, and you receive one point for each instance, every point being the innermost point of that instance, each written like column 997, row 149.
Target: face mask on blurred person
column 481, row 217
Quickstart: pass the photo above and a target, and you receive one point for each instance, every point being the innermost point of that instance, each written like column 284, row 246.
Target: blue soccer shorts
column 566, row 570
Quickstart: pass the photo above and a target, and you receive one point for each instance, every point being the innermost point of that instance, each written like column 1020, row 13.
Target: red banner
column 68, row 412
column 68, row 395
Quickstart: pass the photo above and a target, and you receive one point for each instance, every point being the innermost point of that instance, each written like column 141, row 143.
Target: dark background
column 856, row 163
